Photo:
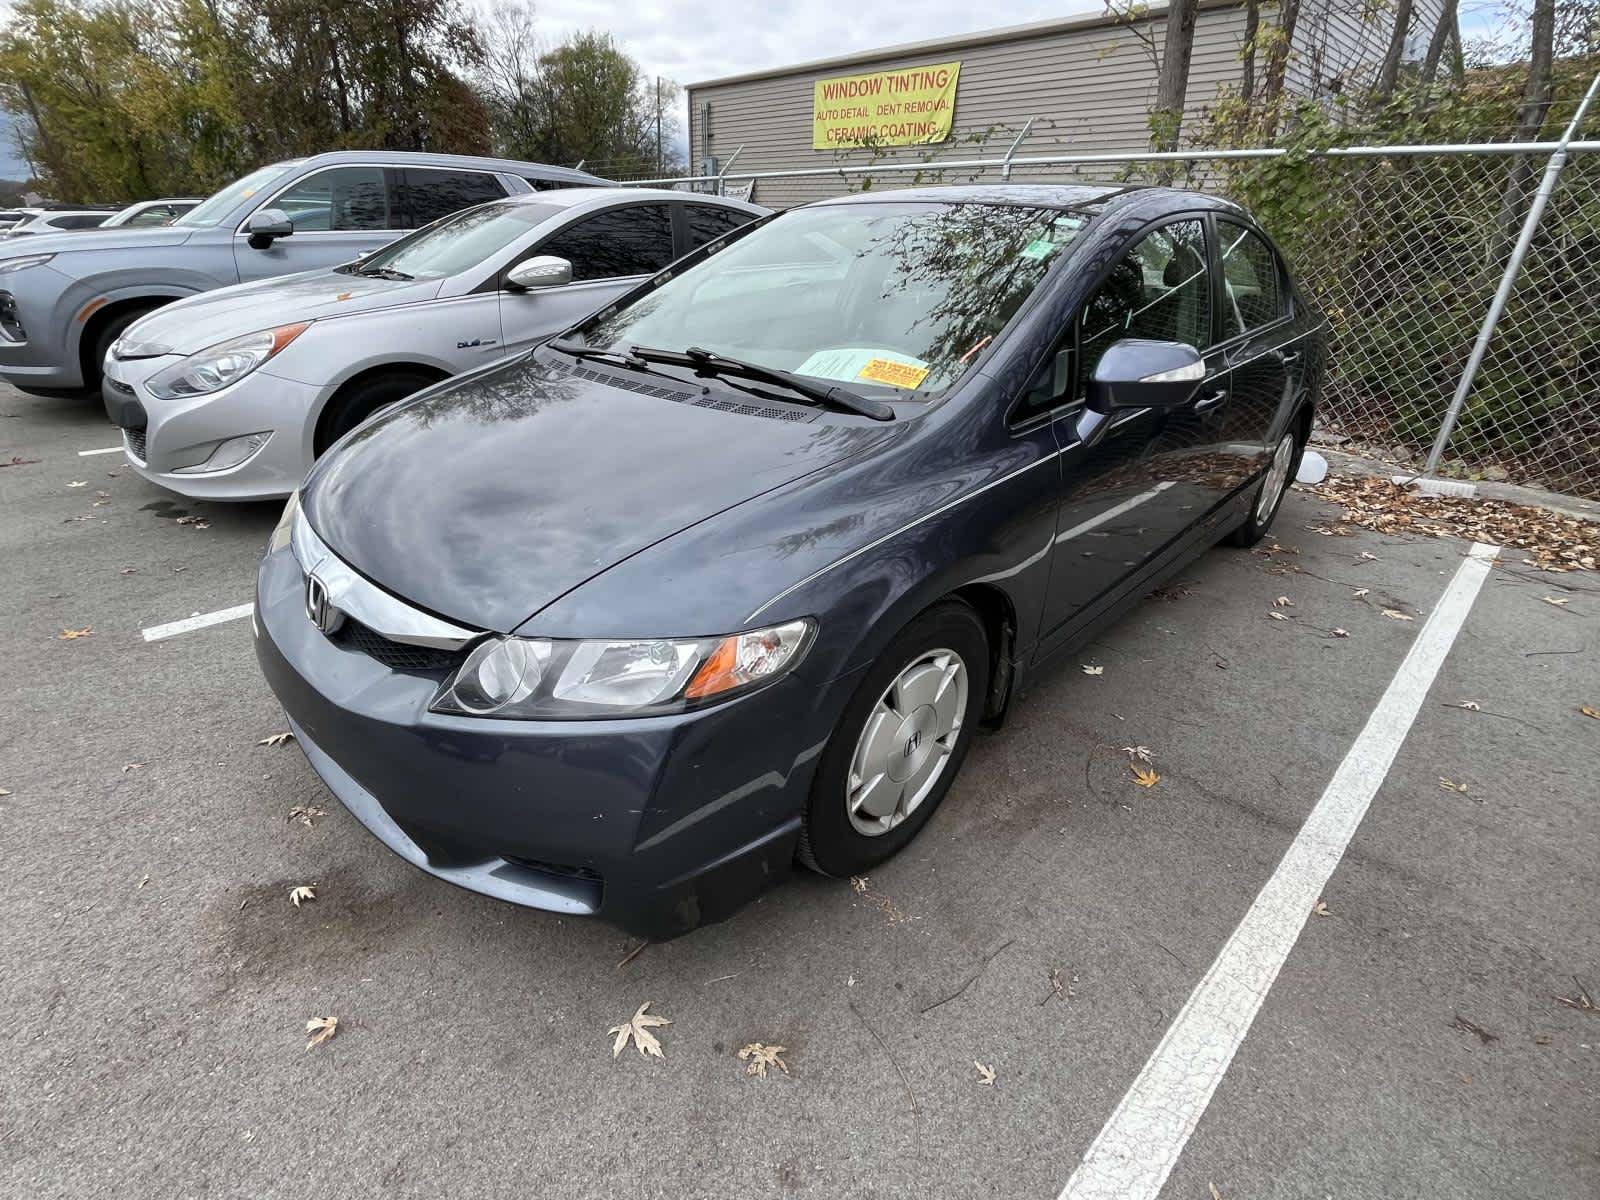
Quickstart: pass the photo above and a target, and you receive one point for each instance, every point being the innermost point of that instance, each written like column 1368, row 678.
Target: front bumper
column 159, row 435
column 655, row 824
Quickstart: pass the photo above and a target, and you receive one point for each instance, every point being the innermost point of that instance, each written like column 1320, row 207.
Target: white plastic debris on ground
column 1313, row 468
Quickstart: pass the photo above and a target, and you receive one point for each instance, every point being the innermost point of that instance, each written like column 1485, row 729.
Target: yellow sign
column 909, row 107
column 883, row 370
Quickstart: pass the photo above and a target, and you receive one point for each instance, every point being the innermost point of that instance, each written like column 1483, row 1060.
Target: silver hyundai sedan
column 230, row 395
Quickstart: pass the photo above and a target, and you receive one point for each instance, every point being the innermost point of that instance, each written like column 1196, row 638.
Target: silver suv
column 65, row 298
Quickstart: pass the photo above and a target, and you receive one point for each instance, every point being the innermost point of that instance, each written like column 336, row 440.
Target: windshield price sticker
column 897, row 374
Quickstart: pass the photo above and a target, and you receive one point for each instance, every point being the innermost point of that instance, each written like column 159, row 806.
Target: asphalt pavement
column 1425, row 1036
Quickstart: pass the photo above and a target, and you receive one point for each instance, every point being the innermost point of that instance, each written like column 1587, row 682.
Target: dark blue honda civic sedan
column 729, row 574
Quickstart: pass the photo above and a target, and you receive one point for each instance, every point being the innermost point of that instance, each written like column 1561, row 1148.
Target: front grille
column 397, row 656
column 135, row 442
column 561, row 871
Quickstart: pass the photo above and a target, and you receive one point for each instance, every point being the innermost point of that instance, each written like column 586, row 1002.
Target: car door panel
column 339, row 213
column 1137, row 486
column 527, row 318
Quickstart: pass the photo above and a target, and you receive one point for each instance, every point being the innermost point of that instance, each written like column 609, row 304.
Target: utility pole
column 659, row 167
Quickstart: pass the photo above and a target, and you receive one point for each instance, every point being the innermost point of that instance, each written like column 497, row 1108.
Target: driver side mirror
column 267, row 224
column 1137, row 373
column 540, row 271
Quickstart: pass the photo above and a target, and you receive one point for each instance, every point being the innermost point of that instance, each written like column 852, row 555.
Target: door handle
column 1210, row 400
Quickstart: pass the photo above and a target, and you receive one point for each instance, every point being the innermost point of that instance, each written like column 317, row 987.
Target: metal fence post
column 1005, row 171
column 1508, row 281
column 722, row 175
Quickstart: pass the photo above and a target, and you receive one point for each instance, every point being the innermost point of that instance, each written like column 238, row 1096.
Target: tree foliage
column 125, row 99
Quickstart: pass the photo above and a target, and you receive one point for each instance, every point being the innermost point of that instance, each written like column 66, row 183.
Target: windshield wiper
column 827, row 395
column 384, row 273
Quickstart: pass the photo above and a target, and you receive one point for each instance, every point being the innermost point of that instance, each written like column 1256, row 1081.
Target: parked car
column 231, row 394
column 152, row 212
column 64, row 300
column 728, row 574
column 57, row 221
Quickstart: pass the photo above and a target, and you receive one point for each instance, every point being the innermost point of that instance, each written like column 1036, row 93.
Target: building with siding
column 1086, row 83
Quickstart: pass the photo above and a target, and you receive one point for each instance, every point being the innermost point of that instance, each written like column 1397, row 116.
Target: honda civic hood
column 487, row 501
column 199, row 321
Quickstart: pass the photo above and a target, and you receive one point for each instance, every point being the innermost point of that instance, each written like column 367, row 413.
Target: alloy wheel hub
column 906, row 742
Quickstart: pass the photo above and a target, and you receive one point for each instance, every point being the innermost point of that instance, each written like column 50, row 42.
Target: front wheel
column 898, row 746
column 363, row 399
column 1269, row 497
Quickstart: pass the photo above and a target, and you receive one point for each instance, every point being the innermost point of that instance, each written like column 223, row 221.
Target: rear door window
column 632, row 240
column 340, row 198
column 427, row 195
column 706, row 223
column 1252, row 281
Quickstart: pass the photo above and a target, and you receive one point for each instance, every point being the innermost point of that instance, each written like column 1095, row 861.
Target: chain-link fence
column 1403, row 248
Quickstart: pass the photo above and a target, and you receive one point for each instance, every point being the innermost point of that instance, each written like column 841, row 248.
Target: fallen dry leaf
column 1088, row 670
column 1142, row 753
column 18, row 461
column 1448, row 786
column 1394, row 614
column 276, row 739
column 1553, row 542
column 126, row 767
column 299, row 895
column 321, row 1029
column 1583, row 1002
column 1321, row 909
column 1369, row 557
column 197, row 522
column 1278, row 616
column 1562, row 603
column 128, row 571
column 1469, row 705
column 1144, row 776
column 759, row 1057
column 1359, row 592
column 638, row 1028
column 1215, row 1195
column 1478, row 1031
column 142, row 882
column 71, row 635
column 1283, row 602
column 1341, row 633
column 5, row 791
column 985, row 1074
column 1590, row 712
column 79, row 483
column 306, row 814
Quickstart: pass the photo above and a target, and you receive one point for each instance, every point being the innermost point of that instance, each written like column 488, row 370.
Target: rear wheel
column 1269, row 496
column 899, row 744
column 361, row 399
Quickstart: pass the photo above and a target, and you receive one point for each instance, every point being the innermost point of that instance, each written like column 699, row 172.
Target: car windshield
column 215, row 210
column 460, row 241
column 903, row 296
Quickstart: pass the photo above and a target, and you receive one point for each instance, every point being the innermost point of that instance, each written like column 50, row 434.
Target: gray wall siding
column 1089, row 86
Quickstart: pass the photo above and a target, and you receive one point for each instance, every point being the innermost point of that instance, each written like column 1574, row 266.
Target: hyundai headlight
column 9, row 265
column 524, row 678
column 216, row 367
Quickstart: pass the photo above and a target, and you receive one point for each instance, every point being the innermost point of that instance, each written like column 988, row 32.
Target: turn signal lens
column 746, row 658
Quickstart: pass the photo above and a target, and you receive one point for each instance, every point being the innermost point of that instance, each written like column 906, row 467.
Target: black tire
column 359, row 400
column 108, row 333
column 1256, row 524
column 829, row 841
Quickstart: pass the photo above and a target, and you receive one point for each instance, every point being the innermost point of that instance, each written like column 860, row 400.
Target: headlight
column 27, row 260
column 526, row 678
column 285, row 527
column 215, row 367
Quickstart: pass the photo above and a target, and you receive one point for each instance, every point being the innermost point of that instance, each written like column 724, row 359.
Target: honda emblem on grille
column 322, row 611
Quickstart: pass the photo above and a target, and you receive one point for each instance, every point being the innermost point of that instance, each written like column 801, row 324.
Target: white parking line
column 106, row 450
column 1136, row 1151
column 199, row 621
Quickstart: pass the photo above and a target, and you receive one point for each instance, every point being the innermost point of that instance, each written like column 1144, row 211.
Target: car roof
column 508, row 166
column 569, row 197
